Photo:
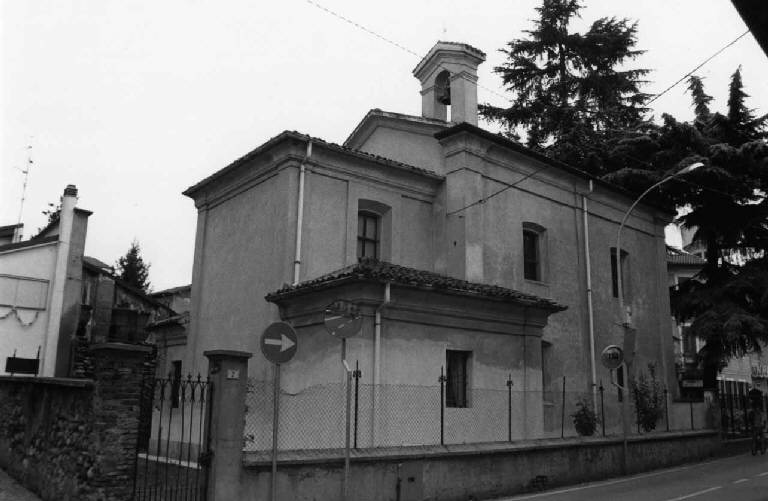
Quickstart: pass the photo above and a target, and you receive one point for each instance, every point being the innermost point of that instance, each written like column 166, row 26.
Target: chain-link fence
column 399, row 415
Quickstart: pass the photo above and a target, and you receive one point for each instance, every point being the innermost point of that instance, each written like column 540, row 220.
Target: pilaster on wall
column 465, row 228
column 228, row 375
column 119, row 371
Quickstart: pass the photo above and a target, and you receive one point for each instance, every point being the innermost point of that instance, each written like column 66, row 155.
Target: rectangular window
column 457, row 378
column 368, row 235
column 531, row 261
column 176, row 383
column 624, row 274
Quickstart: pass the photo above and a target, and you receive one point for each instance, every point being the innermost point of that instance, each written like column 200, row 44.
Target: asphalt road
column 739, row 478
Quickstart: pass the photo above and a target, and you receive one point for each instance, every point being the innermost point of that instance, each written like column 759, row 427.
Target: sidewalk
column 11, row 490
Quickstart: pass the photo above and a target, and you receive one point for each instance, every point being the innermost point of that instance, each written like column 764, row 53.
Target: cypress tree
column 569, row 93
column 132, row 269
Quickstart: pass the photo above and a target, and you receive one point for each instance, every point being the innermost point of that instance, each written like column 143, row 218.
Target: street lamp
column 629, row 344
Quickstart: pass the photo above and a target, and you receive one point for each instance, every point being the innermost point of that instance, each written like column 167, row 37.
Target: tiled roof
column 383, row 272
column 442, row 44
column 29, row 243
column 678, row 256
column 172, row 290
column 7, row 231
column 376, row 112
column 97, row 263
column 317, row 141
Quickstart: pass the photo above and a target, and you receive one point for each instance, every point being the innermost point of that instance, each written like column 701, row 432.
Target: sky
column 134, row 101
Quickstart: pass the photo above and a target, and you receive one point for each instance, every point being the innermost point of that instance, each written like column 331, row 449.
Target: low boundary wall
column 454, row 473
column 75, row 439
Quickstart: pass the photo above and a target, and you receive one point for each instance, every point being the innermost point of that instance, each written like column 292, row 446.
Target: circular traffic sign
column 343, row 319
column 612, row 357
column 279, row 343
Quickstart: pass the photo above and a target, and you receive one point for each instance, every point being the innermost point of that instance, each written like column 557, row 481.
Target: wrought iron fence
column 171, row 454
column 388, row 415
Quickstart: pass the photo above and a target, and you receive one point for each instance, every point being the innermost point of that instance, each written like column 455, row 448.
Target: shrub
column 584, row 419
column 649, row 399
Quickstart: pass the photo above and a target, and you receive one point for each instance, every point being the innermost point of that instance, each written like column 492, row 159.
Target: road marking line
column 694, row 494
column 596, row 484
column 762, row 474
column 741, row 480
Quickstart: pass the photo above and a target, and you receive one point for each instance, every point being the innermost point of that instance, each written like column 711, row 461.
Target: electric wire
column 697, row 68
column 531, row 174
column 389, row 41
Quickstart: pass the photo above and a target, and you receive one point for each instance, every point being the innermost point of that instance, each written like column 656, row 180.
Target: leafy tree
column 132, row 269
column 726, row 198
column 569, row 93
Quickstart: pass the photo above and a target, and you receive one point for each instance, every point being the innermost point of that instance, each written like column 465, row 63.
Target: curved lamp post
column 629, row 348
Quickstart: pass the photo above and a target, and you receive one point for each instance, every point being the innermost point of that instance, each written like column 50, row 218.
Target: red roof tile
column 383, row 272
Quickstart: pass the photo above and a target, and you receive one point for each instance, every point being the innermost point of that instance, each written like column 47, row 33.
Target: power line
column 697, row 67
column 387, row 40
column 485, row 199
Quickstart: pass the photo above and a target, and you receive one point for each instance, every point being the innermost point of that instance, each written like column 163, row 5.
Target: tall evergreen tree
column 726, row 198
column 569, row 93
column 132, row 269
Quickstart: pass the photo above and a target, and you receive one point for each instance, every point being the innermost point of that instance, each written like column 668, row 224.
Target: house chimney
column 448, row 76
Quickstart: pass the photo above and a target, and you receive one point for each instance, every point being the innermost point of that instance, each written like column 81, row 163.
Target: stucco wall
column 421, row 150
column 35, row 262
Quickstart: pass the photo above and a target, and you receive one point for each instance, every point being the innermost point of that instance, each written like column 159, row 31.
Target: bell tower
column 448, row 76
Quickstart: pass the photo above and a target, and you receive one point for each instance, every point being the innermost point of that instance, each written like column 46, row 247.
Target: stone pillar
column 118, row 373
column 228, row 374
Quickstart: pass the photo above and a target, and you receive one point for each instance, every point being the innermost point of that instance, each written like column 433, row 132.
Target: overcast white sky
column 135, row 101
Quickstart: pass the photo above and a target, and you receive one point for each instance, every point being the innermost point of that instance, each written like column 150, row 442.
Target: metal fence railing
column 388, row 415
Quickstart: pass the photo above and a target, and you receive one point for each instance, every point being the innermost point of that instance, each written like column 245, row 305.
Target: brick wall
column 75, row 439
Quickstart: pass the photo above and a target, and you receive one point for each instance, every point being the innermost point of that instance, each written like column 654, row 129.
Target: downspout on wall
column 300, row 214
column 590, row 309
column 377, row 359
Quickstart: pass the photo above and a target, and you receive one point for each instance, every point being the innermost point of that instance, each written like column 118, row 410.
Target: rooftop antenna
column 26, row 178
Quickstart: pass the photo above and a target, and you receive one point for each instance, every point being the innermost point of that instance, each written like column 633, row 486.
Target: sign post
column 613, row 357
column 343, row 320
column 278, row 344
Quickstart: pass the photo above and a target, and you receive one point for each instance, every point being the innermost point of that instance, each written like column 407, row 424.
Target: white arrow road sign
column 284, row 342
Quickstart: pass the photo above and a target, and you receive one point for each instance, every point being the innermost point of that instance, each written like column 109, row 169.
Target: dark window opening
column 531, row 261
column 457, row 378
column 368, row 235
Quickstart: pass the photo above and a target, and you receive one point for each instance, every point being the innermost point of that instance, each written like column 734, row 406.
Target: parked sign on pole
column 612, row 357
column 279, row 343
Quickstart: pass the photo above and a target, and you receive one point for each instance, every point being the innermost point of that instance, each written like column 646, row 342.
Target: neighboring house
column 683, row 266
column 58, row 301
column 170, row 334
column 462, row 250
column 10, row 234
column 40, row 284
column 739, row 373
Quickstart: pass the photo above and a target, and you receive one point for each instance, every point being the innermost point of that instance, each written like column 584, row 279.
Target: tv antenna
column 25, row 171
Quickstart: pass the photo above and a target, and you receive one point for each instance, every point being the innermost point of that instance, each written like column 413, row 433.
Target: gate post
column 228, row 375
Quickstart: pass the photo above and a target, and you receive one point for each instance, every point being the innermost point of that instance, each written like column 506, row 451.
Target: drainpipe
column 300, row 214
column 590, row 311
column 377, row 359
